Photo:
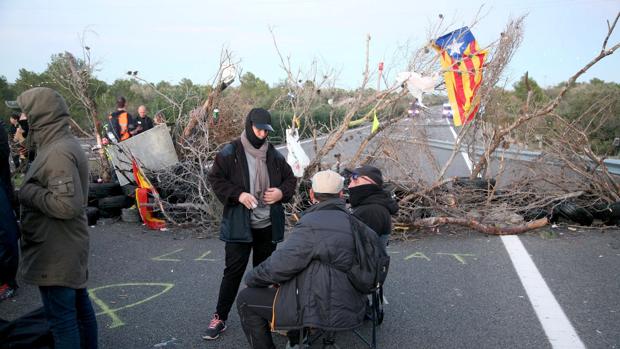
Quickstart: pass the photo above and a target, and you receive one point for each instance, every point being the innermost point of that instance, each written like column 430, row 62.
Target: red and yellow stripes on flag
column 463, row 78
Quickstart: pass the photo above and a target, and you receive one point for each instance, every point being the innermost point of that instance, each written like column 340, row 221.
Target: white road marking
column 465, row 155
column 556, row 325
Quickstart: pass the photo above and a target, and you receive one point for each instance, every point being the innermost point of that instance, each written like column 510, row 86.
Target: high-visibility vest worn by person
column 120, row 121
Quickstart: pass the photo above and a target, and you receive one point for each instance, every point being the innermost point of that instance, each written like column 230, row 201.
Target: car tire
column 109, row 213
column 615, row 210
column 129, row 190
column 130, row 215
column 600, row 211
column 92, row 215
column 573, row 212
column 102, row 190
column 534, row 214
column 115, row 202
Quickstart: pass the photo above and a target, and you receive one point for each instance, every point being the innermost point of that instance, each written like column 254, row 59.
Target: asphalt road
column 445, row 290
column 403, row 153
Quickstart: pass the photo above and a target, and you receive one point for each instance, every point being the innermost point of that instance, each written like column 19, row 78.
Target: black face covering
column 359, row 193
column 249, row 132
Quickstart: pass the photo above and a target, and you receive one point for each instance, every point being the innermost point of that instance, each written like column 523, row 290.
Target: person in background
column 121, row 122
column 15, row 135
column 143, row 121
column 369, row 202
column 160, row 119
column 54, row 237
column 252, row 179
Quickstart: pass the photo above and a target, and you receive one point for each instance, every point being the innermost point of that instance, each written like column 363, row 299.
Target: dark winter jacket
column 310, row 267
column 54, row 241
column 145, row 122
column 9, row 234
column 5, row 167
column 373, row 206
column 229, row 177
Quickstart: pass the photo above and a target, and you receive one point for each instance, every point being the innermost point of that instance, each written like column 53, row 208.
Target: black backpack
column 371, row 262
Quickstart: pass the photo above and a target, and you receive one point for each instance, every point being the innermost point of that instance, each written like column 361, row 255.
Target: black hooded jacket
column 373, row 206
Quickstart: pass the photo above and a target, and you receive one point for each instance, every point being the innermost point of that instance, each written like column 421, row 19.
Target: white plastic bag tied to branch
column 296, row 158
column 418, row 84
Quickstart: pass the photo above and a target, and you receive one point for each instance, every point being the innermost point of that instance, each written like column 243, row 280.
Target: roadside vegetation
column 573, row 124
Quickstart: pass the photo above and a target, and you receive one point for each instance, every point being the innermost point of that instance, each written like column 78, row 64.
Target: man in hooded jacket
column 54, row 241
column 252, row 179
column 370, row 203
column 310, row 269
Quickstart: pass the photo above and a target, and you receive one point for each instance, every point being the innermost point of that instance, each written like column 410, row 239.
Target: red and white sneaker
column 216, row 326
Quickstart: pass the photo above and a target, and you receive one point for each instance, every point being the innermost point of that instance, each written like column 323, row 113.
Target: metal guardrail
column 613, row 165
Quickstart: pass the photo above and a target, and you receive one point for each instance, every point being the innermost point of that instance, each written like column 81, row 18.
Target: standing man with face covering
column 55, row 241
column 370, row 203
column 252, row 179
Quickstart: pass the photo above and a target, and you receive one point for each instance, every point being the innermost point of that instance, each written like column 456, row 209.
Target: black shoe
column 216, row 326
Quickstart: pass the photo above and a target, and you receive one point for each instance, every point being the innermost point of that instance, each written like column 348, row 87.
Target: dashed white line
column 464, row 154
column 556, row 325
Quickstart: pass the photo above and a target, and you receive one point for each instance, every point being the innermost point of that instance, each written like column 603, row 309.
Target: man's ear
column 341, row 194
column 312, row 196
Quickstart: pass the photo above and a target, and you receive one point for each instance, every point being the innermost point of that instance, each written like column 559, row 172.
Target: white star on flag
column 454, row 47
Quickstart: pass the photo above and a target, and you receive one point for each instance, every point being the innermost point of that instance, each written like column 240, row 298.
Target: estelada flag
column 462, row 63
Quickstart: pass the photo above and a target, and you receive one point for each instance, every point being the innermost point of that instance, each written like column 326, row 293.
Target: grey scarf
column 261, row 177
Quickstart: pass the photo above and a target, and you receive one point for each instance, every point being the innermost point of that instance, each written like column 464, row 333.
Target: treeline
column 593, row 107
column 583, row 104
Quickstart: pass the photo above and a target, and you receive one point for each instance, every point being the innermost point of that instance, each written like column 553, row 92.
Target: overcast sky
column 170, row 40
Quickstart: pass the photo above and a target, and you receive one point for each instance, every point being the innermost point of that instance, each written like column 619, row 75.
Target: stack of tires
column 107, row 200
column 609, row 214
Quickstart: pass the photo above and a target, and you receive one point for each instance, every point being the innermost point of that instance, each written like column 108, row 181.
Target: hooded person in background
column 370, row 203
column 55, row 241
column 252, row 179
column 15, row 132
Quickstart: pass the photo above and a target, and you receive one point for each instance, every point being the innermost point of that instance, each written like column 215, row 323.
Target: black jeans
column 255, row 307
column 237, row 256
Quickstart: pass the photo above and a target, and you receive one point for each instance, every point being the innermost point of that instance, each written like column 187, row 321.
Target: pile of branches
column 499, row 196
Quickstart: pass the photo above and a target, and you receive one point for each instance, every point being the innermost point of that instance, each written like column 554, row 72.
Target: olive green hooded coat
column 54, row 242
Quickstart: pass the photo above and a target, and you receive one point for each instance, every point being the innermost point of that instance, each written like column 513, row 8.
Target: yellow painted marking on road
column 417, row 255
column 458, row 256
column 202, row 258
column 105, row 309
column 160, row 258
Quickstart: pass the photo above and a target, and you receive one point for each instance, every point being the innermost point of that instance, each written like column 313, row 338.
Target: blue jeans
column 71, row 317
